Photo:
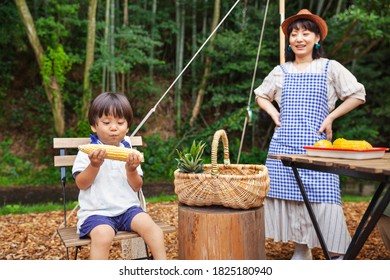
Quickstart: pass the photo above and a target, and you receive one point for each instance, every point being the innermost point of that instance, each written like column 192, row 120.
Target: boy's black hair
column 110, row 104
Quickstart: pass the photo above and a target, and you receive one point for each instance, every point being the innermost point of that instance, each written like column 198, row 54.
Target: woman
column 306, row 89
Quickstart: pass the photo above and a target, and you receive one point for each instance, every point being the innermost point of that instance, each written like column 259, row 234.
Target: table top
column 369, row 166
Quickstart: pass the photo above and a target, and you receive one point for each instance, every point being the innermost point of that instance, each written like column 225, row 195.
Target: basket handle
column 214, row 149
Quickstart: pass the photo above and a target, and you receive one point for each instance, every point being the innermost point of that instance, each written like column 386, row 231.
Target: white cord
column 248, row 109
column 181, row 73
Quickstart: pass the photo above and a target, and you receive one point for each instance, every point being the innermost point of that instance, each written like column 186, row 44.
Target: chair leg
column 148, row 256
column 77, row 250
column 75, row 255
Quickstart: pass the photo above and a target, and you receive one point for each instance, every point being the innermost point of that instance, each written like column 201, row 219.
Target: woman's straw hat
column 306, row 14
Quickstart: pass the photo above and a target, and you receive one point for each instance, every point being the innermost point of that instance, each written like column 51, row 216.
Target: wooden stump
column 219, row 233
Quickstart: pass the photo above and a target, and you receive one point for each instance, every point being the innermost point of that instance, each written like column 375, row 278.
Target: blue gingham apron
column 303, row 108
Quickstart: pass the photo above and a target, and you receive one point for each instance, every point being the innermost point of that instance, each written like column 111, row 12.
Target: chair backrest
column 65, row 159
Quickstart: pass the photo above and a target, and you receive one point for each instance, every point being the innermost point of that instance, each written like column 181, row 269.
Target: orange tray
column 375, row 152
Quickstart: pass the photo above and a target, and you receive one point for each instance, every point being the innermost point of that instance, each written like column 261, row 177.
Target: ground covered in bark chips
column 32, row 236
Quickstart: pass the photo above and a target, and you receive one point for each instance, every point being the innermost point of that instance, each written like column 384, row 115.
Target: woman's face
column 302, row 42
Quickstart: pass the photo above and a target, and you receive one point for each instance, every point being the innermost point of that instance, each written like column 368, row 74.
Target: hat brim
column 322, row 26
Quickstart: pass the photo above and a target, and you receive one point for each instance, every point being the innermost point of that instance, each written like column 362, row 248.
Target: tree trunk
column 343, row 40
column 311, row 5
column 105, row 78
column 339, row 4
column 204, row 26
column 199, row 99
column 300, row 6
column 153, row 36
column 327, row 8
column 89, row 59
column 112, row 47
column 52, row 88
column 320, row 6
column 244, row 10
column 122, row 44
column 180, row 23
column 219, row 233
column 362, row 52
column 193, row 51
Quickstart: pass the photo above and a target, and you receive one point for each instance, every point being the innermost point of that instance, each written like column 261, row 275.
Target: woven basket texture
column 239, row 186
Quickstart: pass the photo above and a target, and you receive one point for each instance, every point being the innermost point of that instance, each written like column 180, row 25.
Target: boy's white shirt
column 110, row 194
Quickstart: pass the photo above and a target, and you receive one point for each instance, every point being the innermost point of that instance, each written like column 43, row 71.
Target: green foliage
column 62, row 31
column 159, row 162
column 20, row 171
column 55, row 24
column 28, row 110
column 11, row 167
column 376, row 110
column 12, row 209
column 56, row 63
column 354, row 32
column 254, row 156
column 11, row 43
column 352, row 198
column 230, row 81
column 83, row 128
column 368, row 21
column 35, row 208
column 355, row 125
column 135, row 49
column 148, row 89
column 161, row 198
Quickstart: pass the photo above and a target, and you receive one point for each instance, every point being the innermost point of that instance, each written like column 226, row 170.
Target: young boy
column 108, row 188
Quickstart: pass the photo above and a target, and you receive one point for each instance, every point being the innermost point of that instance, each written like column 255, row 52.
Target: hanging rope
column 181, row 73
column 248, row 108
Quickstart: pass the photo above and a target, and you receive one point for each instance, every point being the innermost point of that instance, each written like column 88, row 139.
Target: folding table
column 369, row 169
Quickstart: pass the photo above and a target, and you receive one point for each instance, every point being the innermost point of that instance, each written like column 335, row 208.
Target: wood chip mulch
column 31, row 236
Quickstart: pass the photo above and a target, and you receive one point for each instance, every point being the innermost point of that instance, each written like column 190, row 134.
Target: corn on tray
column 375, row 152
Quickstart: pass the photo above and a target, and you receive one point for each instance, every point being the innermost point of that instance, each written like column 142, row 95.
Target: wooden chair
column 68, row 235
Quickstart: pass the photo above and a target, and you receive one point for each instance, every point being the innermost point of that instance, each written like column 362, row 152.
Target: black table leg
column 374, row 210
column 311, row 213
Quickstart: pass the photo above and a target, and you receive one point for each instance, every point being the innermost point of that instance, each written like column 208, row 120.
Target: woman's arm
column 268, row 107
column 348, row 105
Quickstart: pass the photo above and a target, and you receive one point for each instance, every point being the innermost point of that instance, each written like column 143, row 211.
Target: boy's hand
column 132, row 162
column 97, row 157
column 133, row 178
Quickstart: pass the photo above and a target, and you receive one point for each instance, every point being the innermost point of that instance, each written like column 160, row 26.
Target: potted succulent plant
column 191, row 161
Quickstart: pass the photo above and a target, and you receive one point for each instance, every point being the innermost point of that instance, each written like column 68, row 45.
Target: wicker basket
column 240, row 186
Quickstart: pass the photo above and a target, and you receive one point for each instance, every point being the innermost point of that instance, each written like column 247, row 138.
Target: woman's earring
column 317, row 46
column 289, row 49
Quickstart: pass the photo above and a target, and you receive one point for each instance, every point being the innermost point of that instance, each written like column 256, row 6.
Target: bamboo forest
column 188, row 68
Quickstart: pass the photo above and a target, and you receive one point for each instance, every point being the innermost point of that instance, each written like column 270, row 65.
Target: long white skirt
column 287, row 220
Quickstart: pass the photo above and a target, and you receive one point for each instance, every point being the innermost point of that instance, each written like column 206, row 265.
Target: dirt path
column 29, row 236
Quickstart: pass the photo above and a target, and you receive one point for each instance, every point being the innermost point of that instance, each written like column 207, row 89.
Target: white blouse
column 340, row 81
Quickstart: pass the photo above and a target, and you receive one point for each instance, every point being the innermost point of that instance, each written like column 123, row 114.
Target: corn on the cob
column 112, row 152
column 323, row 144
column 342, row 143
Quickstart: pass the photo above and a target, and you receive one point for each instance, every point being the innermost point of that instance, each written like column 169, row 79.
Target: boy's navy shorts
column 121, row 222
